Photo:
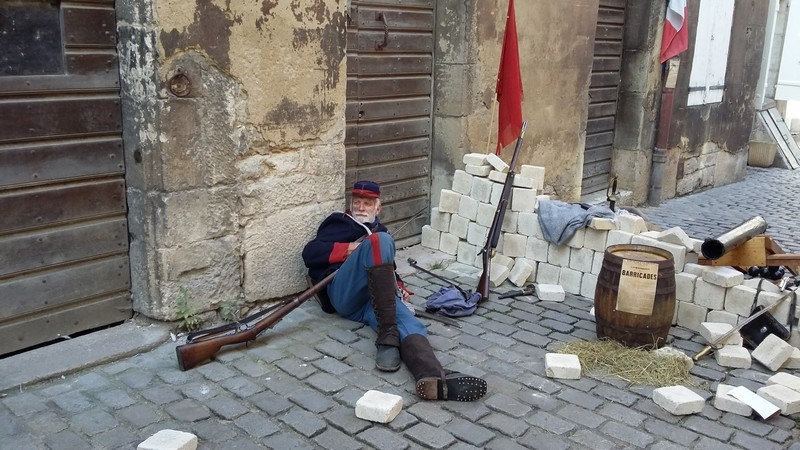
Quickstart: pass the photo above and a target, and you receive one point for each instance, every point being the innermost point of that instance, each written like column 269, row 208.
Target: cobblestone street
column 297, row 385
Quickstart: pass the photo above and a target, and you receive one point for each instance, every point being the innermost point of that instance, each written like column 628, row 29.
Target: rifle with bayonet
column 488, row 249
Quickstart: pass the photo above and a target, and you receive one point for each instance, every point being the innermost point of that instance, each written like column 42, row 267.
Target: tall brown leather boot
column 433, row 382
column 382, row 287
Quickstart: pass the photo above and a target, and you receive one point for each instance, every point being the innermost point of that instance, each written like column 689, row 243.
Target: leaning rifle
column 202, row 345
column 497, row 223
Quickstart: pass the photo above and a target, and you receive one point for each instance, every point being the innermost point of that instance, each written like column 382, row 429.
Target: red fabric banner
column 676, row 31
column 509, row 86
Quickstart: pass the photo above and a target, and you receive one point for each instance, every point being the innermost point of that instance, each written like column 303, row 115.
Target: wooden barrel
column 634, row 301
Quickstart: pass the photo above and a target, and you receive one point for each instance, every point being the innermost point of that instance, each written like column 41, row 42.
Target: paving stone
column 117, row 398
column 543, row 440
column 470, row 432
column 115, row 438
column 226, row 407
column 382, row 438
column 47, row 423
column 507, row 405
column 256, row 424
column 403, row 421
column 707, row 427
column 25, row 404
column 136, row 378
column 270, row 403
column 581, row 416
column 334, row 439
column 345, row 420
column 288, row 439
column 622, row 414
column 549, row 422
column 588, row 439
column 503, row 443
column 242, row 387
column 469, row 410
column 506, row 425
column 72, row 402
column 188, row 410
column 92, row 381
column 213, row 430
column 430, row 436
column 66, row 440
column 627, row 434
column 748, row 441
column 616, row 395
column 94, row 421
column 669, row 431
column 325, row 382
column 304, row 422
column 215, row 371
column 256, row 369
column 431, row 413
column 706, row 443
column 580, row 398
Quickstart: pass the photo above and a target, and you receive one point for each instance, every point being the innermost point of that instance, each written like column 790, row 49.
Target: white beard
column 364, row 217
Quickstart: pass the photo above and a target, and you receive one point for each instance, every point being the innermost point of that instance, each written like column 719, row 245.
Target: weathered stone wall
column 227, row 183
column 555, row 44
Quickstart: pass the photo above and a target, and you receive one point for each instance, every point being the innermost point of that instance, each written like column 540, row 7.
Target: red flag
column 676, row 30
column 509, row 86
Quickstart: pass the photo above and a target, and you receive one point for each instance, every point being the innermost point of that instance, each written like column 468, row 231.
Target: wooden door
column 603, row 96
column 64, row 264
column 389, row 85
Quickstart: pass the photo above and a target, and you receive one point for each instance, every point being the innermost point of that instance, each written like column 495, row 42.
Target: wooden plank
column 93, row 63
column 30, row 38
column 391, row 109
column 785, row 134
column 601, row 109
column 394, row 192
column 42, row 163
column 33, row 330
column 619, row 4
column 399, row 211
column 603, row 94
column 598, row 154
column 389, row 64
column 25, row 120
column 397, row 42
column 610, row 16
column 365, row 88
column 751, row 252
column 607, row 48
column 53, row 205
column 605, row 79
column 782, row 145
column 388, row 173
column 606, row 63
column 394, row 130
column 62, row 245
column 63, row 286
column 600, row 124
column 609, row 32
column 388, row 151
column 596, row 168
column 89, row 27
column 38, row 84
column 428, row 4
column 599, row 139
column 366, row 17
column 410, row 235
column 595, row 183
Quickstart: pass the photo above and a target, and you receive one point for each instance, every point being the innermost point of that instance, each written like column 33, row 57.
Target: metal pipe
column 716, row 247
column 660, row 149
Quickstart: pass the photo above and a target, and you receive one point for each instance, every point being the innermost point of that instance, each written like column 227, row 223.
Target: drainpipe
column 662, row 135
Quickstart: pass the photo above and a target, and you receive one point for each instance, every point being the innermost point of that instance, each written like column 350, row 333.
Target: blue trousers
column 349, row 294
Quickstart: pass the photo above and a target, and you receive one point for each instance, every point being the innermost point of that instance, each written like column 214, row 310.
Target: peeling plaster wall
column 556, row 41
column 226, row 184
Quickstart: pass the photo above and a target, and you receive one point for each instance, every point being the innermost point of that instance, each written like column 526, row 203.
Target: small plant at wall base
column 229, row 311
column 438, row 265
column 187, row 316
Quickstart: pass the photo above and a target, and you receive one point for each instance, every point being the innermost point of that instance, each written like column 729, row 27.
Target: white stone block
column 502, row 260
column 570, row 280
column 521, row 272
column 528, row 224
column 722, row 317
column 459, row 226
column 476, row 234
column 695, row 269
column 430, row 237
column 448, row 243
column 515, row 245
column 766, row 285
column 169, row 440
column 523, row 200
column 780, row 312
column 379, row 407
column 677, row 236
column 558, row 255
column 785, row 379
column 581, row 259
column 696, row 245
column 462, row 182
column 498, row 177
column 485, row 215
column 678, row 400
column 794, row 339
column 672, row 352
column 595, row 239
column 498, row 274
column 535, row 173
column 481, row 190
column 548, row 274
column 725, row 402
column 739, row 300
column 684, row 286
column 692, row 258
column 563, row 366
column 615, row 237
column 449, row 201
column 723, row 276
column 468, row 208
column 478, row 171
column 678, row 251
column 794, row 360
column 711, row 331
column 475, row 159
column 497, row 192
column 650, row 234
column 510, row 219
column 496, row 162
column 597, row 264
column 440, row 221
column 631, row 223
column 772, row 352
column 536, row 249
column 709, row 295
column 691, row 316
column 602, row 224
column 541, row 198
column 788, row 400
column 576, row 241
column 466, row 253
column 588, row 285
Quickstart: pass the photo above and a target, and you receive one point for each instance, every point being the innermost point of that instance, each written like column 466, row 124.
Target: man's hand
column 351, row 247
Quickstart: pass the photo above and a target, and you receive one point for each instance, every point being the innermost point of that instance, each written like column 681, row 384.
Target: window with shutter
column 712, row 38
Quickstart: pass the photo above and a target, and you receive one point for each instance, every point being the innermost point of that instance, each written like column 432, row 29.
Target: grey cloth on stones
column 559, row 220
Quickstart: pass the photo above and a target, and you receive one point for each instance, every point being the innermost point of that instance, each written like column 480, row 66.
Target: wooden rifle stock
column 497, row 223
column 198, row 350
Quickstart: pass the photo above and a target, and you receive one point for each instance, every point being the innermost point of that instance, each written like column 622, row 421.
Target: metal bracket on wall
column 382, row 18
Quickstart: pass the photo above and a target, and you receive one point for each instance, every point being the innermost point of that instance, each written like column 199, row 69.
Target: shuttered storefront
column 603, row 96
column 389, row 74
column 63, row 228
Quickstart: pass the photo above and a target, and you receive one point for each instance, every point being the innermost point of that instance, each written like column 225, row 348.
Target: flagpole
column 491, row 121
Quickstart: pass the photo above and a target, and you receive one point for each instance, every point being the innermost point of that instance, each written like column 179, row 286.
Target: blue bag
column 450, row 302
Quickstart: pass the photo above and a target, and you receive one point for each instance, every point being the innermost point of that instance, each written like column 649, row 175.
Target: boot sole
column 461, row 388
column 388, row 369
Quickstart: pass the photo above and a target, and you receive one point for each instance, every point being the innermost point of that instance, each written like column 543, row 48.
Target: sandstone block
column 523, row 200
column 563, row 366
column 785, row 379
column 691, row 315
column 725, row 402
column 588, row 285
column 481, row 190
column 536, row 249
column 440, row 221
column 780, row 312
column 678, row 251
column 788, row 400
column 794, row 360
column 548, row 274
column 694, row 269
column 650, row 234
column 692, row 258
column 430, row 237
column 558, row 255
column 519, row 180
column 498, row 274
column 541, row 198
column 576, row 241
column 448, row 243
column 672, row 352
column 709, row 295
column 570, row 280
column 459, row 226
column 515, row 245
column 521, row 272
column 723, row 276
column 496, row 162
column 722, row 317
column 169, row 440
column 595, row 239
column 379, row 407
column 739, row 300
column 497, row 192
column 733, row 356
column 765, row 285
column 631, row 223
column 535, row 173
column 677, row 236
column 678, row 400
column 772, row 352
column 696, row 245
column 615, row 237
column 503, row 260
column 684, row 286
column 478, row 171
column 711, row 331
column 468, row 208
column 602, row 224
column 449, row 201
column 597, row 264
column 485, row 214
column 466, row 253
column 510, row 220
column 581, row 259
column 476, row 234
column 462, row 182
column 528, row 224
column 474, row 159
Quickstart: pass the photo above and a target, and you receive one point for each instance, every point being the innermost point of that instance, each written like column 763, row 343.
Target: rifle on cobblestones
column 202, row 345
column 497, row 223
